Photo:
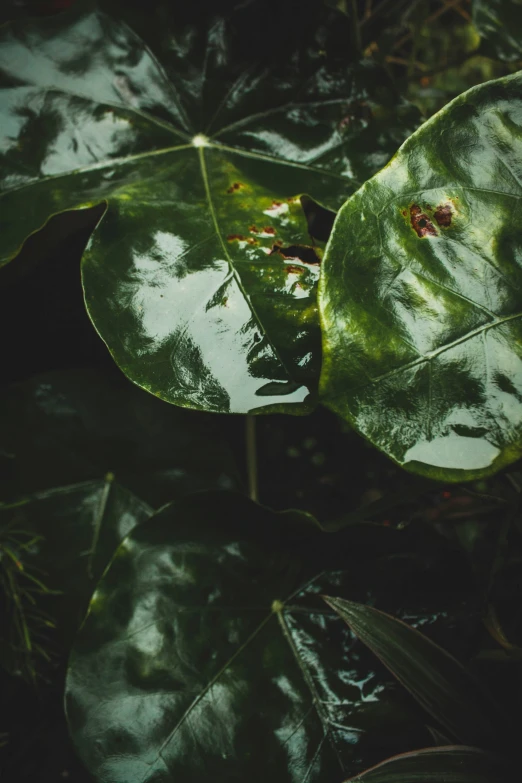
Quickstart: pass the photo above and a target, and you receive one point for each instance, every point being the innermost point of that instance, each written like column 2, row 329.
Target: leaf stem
column 251, row 458
column 356, row 27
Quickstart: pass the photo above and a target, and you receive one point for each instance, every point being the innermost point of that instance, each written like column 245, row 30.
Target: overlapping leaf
column 198, row 136
column 452, row 764
column 208, row 652
column 421, row 299
column 437, row 680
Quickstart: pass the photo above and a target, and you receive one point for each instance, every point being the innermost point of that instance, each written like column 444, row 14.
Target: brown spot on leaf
column 235, row 187
column 236, row 238
column 254, row 230
column 443, row 215
column 268, row 230
column 291, row 268
column 421, row 223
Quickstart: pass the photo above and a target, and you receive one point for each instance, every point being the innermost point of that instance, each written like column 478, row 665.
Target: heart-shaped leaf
column 499, row 23
column 64, row 427
column 421, row 296
column 208, row 653
column 437, row 680
column 451, row 764
column 74, row 532
column 198, row 137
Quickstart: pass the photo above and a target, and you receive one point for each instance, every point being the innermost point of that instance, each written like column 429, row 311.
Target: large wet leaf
column 208, row 653
column 499, row 23
column 421, row 299
column 451, row 764
column 438, row 681
column 198, row 137
column 74, row 532
column 64, row 427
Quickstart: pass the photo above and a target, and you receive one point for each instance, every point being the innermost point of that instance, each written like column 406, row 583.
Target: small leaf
column 451, row 764
column 435, row 678
column 421, row 294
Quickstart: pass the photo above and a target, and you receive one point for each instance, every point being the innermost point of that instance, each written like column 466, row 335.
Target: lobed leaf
column 201, row 275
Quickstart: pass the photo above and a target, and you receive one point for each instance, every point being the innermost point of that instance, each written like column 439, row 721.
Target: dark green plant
column 274, row 227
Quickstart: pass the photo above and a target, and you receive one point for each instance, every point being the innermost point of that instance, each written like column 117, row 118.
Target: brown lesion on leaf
column 241, row 238
column 292, row 269
column 421, row 223
column 265, row 231
column 235, row 187
column 443, row 215
column 304, row 253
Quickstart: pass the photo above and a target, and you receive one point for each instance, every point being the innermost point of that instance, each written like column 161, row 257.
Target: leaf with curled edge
column 198, row 136
column 421, row 294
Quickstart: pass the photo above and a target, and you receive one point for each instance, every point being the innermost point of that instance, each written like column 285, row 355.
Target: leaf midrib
column 316, row 701
column 236, row 275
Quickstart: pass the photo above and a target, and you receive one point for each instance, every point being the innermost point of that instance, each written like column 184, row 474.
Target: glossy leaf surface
column 64, row 427
column 421, row 299
column 208, row 652
column 499, row 23
column 451, row 764
column 76, row 530
column 198, row 137
column 437, row 680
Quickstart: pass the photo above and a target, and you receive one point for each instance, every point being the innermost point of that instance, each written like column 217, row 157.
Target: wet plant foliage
column 262, row 209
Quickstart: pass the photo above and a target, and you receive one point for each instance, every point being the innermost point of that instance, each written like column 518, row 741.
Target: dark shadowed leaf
column 75, row 531
column 451, row 764
column 436, row 679
column 198, row 137
column 63, row 427
column 499, row 23
column 208, row 653
column 421, row 296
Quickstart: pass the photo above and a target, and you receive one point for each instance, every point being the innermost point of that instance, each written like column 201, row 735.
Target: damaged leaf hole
column 304, row 253
column 422, row 223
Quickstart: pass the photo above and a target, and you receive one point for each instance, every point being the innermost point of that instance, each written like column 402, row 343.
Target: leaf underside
column 421, row 299
column 198, row 138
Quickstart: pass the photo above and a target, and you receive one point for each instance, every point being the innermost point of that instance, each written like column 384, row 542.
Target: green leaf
column 422, row 291
column 75, row 531
column 499, row 23
column 64, row 427
column 452, row 764
column 198, row 137
column 208, row 653
column 435, row 678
